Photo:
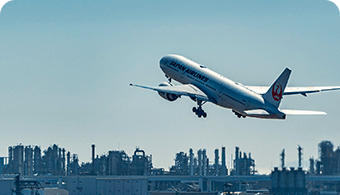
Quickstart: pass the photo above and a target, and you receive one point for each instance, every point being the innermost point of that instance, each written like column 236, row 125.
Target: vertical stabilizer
column 275, row 92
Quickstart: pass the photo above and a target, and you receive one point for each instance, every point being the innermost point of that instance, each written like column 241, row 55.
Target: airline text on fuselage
column 189, row 71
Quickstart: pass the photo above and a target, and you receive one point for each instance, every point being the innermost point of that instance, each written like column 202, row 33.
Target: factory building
column 117, row 173
column 141, row 163
column 329, row 160
column 181, row 165
column 71, row 185
column 117, row 163
column 29, row 161
column 243, row 165
column 200, row 165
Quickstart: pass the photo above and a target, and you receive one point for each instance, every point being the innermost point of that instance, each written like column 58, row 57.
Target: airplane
column 203, row 85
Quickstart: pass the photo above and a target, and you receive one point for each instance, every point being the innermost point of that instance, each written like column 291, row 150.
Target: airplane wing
column 186, row 90
column 294, row 90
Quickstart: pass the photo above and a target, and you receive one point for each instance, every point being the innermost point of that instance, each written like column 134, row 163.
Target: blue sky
column 66, row 67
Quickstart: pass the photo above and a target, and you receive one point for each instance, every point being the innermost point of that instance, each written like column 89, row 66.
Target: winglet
column 275, row 92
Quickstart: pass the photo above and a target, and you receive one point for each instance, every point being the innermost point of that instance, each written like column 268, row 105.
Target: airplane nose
column 163, row 61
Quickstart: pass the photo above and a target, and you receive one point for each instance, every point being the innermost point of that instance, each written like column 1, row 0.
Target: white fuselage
column 221, row 90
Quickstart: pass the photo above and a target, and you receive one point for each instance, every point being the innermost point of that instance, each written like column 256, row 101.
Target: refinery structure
column 31, row 168
column 29, row 161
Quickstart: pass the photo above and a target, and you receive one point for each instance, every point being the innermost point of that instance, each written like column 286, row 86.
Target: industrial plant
column 30, row 168
column 328, row 162
column 26, row 161
column 199, row 166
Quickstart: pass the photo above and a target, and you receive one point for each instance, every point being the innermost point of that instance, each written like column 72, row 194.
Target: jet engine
column 168, row 96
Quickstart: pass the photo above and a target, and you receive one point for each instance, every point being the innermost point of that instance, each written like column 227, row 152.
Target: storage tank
column 291, row 178
column 283, row 178
column 300, row 178
column 275, row 178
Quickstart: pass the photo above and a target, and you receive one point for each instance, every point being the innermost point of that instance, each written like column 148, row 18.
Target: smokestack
column 216, row 162
column 199, row 159
column 223, row 168
column 63, row 161
column 300, row 154
column 311, row 166
column 204, row 162
column 93, row 155
column 282, row 158
column 191, row 155
column 237, row 153
column 68, row 163
column 207, row 166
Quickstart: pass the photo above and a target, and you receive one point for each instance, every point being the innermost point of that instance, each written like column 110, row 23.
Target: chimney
column 93, row 155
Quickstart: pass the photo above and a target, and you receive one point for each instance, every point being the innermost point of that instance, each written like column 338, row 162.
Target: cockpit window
column 202, row 66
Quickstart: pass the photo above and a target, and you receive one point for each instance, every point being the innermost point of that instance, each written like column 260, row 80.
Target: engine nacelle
column 168, row 96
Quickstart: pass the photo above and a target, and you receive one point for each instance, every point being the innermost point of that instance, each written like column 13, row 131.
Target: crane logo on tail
column 277, row 92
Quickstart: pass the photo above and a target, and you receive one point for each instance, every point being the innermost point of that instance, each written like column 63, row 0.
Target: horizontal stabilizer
column 260, row 113
column 256, row 112
column 303, row 112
